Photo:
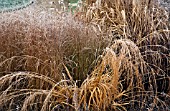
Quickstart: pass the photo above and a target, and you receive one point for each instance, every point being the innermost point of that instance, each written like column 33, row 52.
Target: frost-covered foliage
column 110, row 55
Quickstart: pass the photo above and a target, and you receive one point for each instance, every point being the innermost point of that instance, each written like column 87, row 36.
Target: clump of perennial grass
column 20, row 95
column 41, row 42
column 118, row 81
column 147, row 25
column 37, row 42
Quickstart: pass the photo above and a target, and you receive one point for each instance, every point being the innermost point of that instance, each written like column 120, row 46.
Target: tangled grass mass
column 109, row 55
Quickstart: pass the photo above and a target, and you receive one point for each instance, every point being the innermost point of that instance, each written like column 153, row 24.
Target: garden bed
column 109, row 55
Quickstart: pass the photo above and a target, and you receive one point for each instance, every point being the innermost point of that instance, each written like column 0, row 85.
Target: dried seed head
column 135, row 2
column 123, row 15
column 98, row 3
